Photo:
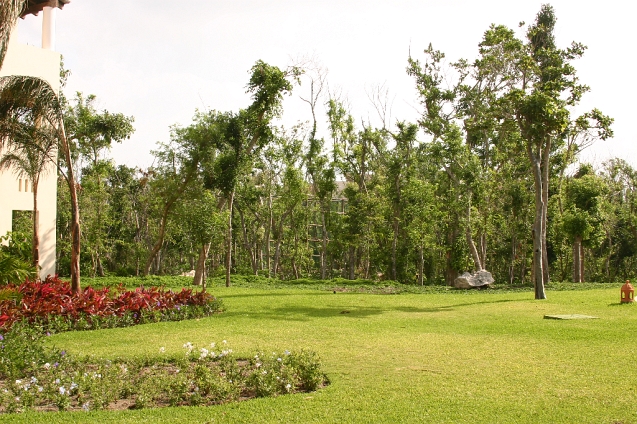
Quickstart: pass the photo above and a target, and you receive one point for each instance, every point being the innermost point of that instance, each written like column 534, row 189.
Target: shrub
column 51, row 305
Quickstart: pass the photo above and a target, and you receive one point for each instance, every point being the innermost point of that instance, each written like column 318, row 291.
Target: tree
column 24, row 96
column 92, row 133
column 32, row 153
column 29, row 99
column 547, row 87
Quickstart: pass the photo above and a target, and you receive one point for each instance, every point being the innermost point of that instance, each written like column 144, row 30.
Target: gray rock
column 470, row 281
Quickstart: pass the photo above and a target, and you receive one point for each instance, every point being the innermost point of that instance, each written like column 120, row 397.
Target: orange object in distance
column 628, row 293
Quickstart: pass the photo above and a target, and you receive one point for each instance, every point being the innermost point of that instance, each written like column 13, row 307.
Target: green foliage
column 15, row 257
column 35, row 376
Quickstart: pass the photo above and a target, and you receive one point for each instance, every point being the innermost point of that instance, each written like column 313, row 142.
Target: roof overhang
column 33, row 7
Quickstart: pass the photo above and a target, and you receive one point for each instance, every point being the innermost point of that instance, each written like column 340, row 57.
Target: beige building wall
column 32, row 61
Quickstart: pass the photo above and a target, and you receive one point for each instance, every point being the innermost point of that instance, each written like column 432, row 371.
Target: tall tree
column 29, row 99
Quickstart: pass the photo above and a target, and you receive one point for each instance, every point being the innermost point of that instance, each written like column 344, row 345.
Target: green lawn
column 474, row 357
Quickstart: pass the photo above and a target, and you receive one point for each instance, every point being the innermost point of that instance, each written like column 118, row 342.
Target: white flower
column 62, row 390
column 224, row 342
column 279, row 359
column 287, row 352
column 264, row 372
column 212, row 345
column 162, row 349
column 46, row 366
column 73, row 386
column 258, row 364
column 288, row 386
column 204, row 353
column 40, row 389
column 85, row 407
column 34, row 380
column 57, row 381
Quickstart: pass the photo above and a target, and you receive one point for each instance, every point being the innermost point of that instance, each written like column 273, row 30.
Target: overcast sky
column 160, row 60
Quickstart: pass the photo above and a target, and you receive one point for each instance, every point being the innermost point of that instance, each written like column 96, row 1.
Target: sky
column 159, row 61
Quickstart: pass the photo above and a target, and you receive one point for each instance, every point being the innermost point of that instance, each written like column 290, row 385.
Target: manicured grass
column 446, row 356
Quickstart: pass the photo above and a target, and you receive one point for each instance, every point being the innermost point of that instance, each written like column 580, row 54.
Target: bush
column 51, row 305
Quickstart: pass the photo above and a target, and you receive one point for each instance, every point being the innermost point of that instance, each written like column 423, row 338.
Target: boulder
column 477, row 279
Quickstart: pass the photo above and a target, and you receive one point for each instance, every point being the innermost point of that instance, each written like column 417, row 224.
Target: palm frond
column 10, row 10
column 24, row 97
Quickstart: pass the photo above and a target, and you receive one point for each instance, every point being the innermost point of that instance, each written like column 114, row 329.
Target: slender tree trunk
column 200, row 271
column 538, row 256
column 450, row 272
column 323, row 245
column 483, row 250
column 75, row 214
column 394, row 246
column 229, row 243
column 98, row 264
column 545, row 204
column 246, row 243
column 577, row 260
column 581, row 261
column 474, row 252
column 472, row 246
column 352, row 263
column 421, row 265
column 35, row 252
column 279, row 240
column 268, row 231
column 513, row 257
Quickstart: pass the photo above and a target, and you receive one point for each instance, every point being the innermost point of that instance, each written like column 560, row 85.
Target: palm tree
column 29, row 99
column 26, row 102
column 32, row 157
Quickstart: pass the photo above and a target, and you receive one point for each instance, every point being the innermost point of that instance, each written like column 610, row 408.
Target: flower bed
column 39, row 378
column 51, row 305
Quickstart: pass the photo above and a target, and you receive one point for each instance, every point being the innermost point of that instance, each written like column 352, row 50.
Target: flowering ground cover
column 52, row 306
column 439, row 356
column 34, row 377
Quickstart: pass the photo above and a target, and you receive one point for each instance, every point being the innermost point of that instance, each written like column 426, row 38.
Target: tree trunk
column 246, row 243
column 75, row 214
column 98, row 264
column 538, row 224
column 472, row 246
column 200, row 271
column 35, row 252
column 352, row 263
column 394, row 246
column 323, row 245
column 279, row 240
column 229, row 243
column 545, row 203
column 421, row 265
column 474, row 252
column 578, row 260
column 268, row 231
column 513, row 257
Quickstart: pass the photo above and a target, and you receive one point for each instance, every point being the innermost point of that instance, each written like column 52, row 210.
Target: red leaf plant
column 41, row 301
